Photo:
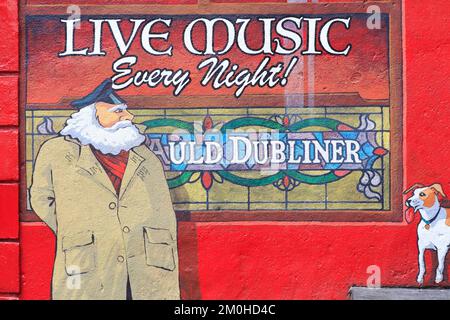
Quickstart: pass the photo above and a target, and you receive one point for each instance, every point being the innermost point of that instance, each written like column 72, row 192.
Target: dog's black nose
column 408, row 203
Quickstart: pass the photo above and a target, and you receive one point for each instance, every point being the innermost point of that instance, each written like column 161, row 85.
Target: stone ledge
column 363, row 293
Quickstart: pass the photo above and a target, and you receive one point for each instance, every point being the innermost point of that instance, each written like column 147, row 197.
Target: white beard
column 83, row 126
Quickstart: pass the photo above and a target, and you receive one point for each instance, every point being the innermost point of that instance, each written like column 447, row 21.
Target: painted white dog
column 433, row 230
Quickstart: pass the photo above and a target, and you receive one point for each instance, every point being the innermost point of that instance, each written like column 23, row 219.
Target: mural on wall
column 244, row 116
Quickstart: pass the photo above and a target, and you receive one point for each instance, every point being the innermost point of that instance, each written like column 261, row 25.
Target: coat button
column 120, row 259
column 112, row 205
column 126, row 229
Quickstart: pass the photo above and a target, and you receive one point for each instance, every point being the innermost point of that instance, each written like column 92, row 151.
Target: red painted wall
column 267, row 260
column 9, row 152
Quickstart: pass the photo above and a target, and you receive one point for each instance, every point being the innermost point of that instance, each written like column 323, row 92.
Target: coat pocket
column 79, row 252
column 159, row 248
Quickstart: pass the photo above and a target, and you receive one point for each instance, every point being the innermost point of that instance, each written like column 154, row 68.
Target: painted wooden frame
column 393, row 8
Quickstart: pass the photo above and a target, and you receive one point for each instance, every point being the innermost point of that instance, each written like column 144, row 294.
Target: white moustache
column 120, row 125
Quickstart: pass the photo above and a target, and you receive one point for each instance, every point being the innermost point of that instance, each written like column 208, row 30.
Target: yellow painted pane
column 189, row 192
column 386, row 118
column 354, row 206
column 305, row 192
column 189, row 206
column 228, row 192
column 345, row 189
column 354, row 109
column 186, row 112
column 241, row 112
column 267, row 206
column 228, row 206
column 29, row 171
column 266, row 194
column 306, row 206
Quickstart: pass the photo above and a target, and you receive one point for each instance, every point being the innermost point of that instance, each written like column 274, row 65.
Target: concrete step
column 364, row 293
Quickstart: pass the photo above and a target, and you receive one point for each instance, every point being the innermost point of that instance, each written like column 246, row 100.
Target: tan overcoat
column 103, row 237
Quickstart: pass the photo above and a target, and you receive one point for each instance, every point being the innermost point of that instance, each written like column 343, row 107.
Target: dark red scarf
column 114, row 166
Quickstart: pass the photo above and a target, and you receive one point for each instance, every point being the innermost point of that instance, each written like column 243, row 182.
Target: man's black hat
column 103, row 93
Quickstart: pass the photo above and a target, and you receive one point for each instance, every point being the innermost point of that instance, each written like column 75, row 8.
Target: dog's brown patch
column 429, row 198
column 445, row 203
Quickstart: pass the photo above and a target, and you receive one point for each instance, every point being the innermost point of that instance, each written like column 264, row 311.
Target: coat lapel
column 134, row 161
column 89, row 163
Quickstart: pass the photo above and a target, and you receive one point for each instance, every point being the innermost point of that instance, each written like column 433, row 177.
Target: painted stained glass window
column 327, row 100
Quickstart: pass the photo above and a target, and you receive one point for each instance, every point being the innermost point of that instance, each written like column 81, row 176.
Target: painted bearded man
column 104, row 194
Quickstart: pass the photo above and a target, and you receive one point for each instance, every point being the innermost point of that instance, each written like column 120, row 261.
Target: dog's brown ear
column 437, row 188
column 413, row 187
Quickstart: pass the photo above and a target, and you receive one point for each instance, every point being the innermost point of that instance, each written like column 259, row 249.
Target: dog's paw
column 420, row 279
column 439, row 278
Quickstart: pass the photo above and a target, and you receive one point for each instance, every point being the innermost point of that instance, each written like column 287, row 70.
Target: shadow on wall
column 188, row 257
